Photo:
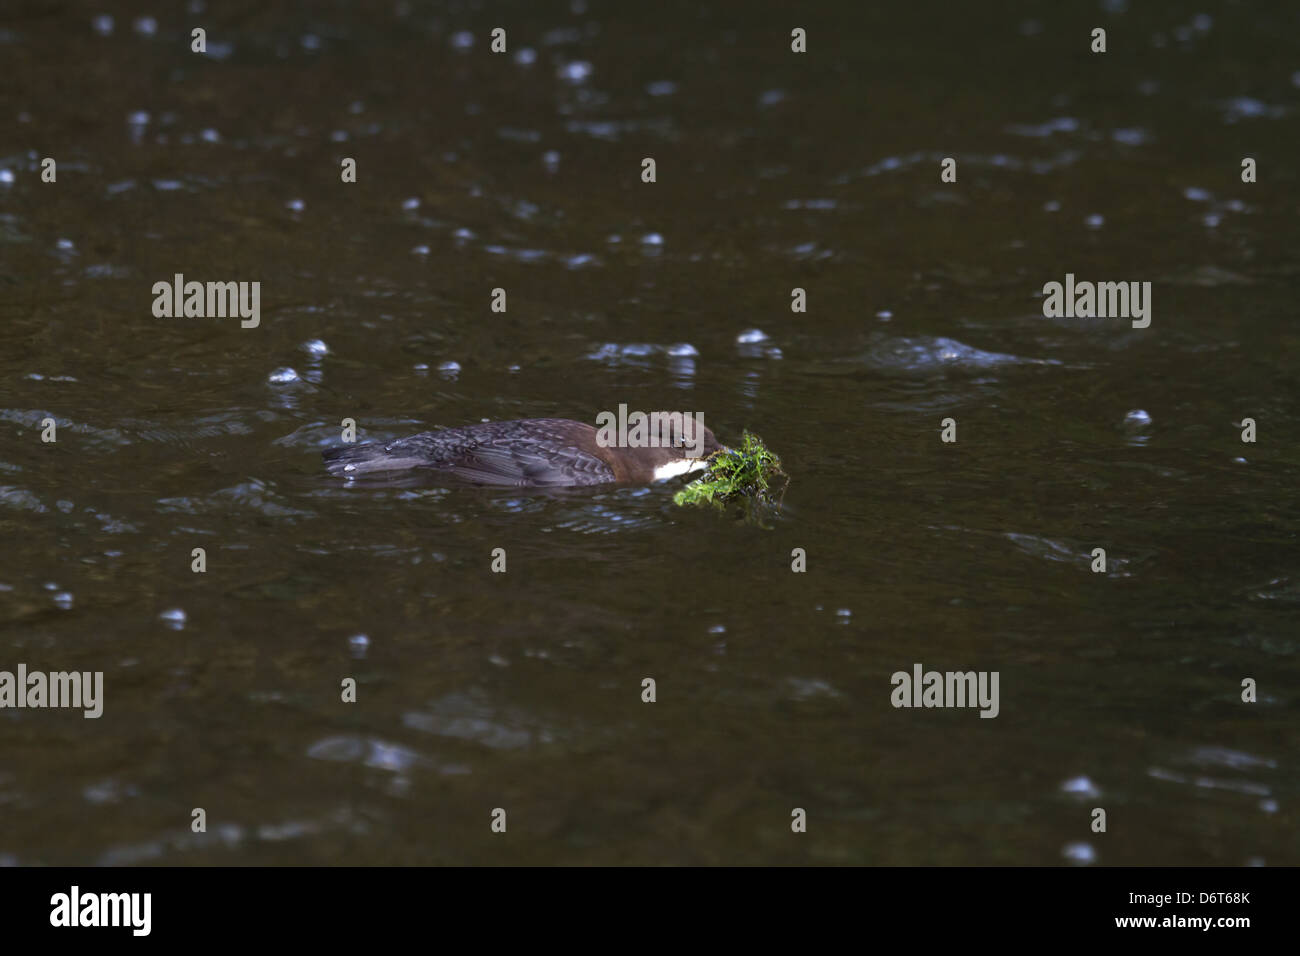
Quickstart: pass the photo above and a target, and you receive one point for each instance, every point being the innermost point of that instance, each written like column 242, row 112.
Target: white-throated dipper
column 534, row 453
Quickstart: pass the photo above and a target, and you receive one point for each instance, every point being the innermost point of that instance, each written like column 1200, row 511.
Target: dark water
column 775, row 170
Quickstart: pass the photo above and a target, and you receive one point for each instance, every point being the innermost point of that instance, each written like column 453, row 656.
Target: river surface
column 222, row 690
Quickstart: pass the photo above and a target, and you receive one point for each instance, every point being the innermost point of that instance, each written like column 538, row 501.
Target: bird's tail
column 353, row 461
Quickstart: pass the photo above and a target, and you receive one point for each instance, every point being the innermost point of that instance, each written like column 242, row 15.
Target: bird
column 537, row 453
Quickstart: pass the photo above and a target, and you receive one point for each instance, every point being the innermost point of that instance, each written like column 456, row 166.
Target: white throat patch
column 682, row 466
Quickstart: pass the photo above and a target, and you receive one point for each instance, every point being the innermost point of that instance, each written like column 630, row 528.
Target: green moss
column 750, row 476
